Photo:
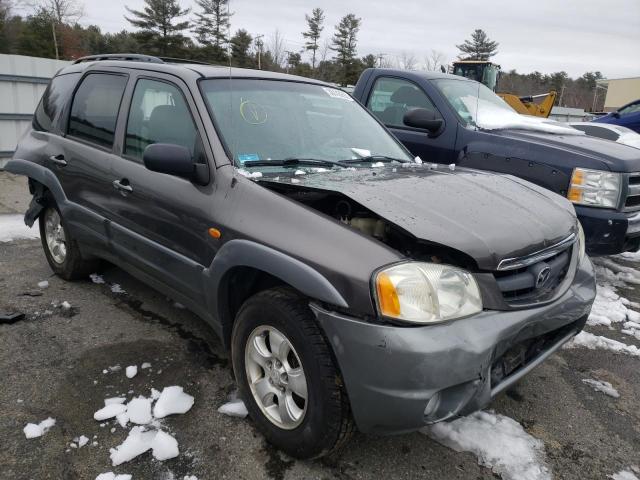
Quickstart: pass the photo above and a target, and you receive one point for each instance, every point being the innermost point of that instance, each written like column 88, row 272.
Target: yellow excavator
column 488, row 73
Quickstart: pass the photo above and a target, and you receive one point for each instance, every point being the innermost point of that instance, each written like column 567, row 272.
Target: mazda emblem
column 543, row 276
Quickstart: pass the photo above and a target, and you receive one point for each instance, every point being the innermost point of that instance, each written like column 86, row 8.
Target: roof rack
column 136, row 57
column 132, row 57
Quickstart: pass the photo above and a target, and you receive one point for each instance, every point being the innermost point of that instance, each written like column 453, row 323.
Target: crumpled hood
column 614, row 156
column 489, row 217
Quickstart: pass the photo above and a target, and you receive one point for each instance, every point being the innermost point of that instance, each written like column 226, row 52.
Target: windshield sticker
column 247, row 157
column 252, row 112
column 335, row 93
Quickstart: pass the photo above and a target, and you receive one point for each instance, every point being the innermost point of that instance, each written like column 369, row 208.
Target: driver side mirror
column 423, row 119
column 175, row 160
column 615, row 114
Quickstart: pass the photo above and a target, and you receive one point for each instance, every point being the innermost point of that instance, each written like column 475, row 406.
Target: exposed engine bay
column 358, row 217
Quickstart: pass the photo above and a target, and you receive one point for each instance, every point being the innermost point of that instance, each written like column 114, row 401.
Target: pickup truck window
column 391, row 98
column 95, row 106
column 158, row 114
column 264, row 120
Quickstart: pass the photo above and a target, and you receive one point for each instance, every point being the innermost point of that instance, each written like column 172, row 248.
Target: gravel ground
column 53, row 361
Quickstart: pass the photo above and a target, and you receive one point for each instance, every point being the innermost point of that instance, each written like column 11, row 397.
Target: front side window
column 94, row 111
column 265, row 120
column 391, row 98
column 158, row 114
column 53, row 101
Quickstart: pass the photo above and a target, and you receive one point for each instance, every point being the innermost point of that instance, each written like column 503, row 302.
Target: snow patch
column 116, row 288
column 234, row 408
column 131, row 371
column 625, row 474
column 172, row 400
column 12, row 227
column 164, row 446
column 32, row 430
column 65, row 305
column 137, row 442
column 112, row 400
column 109, row 411
column 81, row 441
column 593, row 342
column 145, row 365
column 113, row 476
column 604, row 387
column 499, row 442
column 139, row 410
column 246, row 173
column 377, row 165
column 95, row 278
column 299, row 172
column 43, row 284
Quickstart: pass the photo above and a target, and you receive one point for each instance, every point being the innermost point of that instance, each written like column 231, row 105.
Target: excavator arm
column 528, row 106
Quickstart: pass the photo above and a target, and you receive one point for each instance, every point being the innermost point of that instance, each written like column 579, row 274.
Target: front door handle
column 58, row 160
column 122, row 187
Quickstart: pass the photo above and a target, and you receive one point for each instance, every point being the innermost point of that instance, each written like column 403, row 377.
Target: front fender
column 246, row 253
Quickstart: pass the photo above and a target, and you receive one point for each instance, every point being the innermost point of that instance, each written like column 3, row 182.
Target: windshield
column 264, row 121
column 477, row 106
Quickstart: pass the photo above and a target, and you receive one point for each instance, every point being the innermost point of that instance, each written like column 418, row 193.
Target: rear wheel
column 60, row 249
column 287, row 376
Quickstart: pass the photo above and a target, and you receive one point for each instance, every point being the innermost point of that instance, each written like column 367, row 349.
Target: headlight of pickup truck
column 426, row 292
column 595, row 188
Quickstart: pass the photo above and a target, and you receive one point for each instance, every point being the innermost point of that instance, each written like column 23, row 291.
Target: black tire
column 327, row 424
column 74, row 266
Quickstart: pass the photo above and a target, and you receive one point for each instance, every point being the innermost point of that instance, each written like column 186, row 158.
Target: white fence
column 22, row 83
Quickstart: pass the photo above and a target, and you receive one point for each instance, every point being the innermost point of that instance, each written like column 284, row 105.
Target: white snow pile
column 145, row 365
column 32, row 430
column 234, row 408
column 377, row 165
column 95, row 278
column 43, row 284
column 65, row 305
column 131, row 371
column 81, row 441
column 609, row 307
column 491, row 116
column 604, row 387
column 116, row 288
column 172, row 401
column 190, row 477
column 499, row 442
column 632, row 329
column 147, row 434
column 299, row 172
column 626, row 474
column 248, row 174
column 613, row 271
column 594, row 342
column 113, row 476
column 12, row 227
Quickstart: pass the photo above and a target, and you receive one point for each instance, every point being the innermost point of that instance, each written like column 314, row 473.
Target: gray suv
column 354, row 285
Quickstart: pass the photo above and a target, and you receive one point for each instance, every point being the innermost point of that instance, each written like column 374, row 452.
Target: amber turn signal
column 387, row 296
column 215, row 233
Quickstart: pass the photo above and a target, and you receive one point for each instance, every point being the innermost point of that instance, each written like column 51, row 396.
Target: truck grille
column 632, row 202
column 538, row 281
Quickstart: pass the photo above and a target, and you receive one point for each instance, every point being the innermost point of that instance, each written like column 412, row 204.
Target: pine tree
column 212, row 27
column 160, row 31
column 479, row 47
column 240, row 44
column 313, row 34
column 344, row 44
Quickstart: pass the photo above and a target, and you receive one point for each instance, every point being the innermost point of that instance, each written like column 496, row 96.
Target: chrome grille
column 535, row 282
column 632, row 201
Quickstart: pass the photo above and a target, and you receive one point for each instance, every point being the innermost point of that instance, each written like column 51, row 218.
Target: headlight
column 426, row 292
column 581, row 243
column 595, row 188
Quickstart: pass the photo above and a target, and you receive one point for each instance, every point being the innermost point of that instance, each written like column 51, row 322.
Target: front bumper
column 402, row 378
column 608, row 232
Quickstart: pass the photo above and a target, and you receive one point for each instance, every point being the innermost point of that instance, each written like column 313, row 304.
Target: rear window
column 94, row 111
column 53, row 101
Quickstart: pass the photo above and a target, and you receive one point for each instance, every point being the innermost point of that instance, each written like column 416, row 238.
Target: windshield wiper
column 374, row 158
column 292, row 162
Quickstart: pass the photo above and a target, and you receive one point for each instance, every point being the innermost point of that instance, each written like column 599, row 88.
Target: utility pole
column 259, row 45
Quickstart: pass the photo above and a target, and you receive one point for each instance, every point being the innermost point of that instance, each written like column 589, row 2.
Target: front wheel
column 287, row 376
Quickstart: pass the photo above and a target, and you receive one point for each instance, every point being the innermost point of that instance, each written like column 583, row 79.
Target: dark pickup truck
column 452, row 120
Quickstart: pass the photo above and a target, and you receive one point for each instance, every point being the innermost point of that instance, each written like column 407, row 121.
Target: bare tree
column 59, row 12
column 434, row 60
column 406, row 61
column 276, row 47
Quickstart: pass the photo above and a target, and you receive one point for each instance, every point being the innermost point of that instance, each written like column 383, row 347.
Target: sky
column 546, row 35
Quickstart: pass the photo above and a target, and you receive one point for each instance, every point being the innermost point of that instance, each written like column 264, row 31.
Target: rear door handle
column 122, row 187
column 58, row 160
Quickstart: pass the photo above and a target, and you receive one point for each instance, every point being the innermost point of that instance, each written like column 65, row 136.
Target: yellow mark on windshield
column 253, row 112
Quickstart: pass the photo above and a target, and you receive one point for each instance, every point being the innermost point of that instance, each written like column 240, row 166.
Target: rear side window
column 53, row 101
column 391, row 98
column 159, row 114
column 95, row 106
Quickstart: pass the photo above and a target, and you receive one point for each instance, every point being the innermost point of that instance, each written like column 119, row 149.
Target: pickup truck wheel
column 59, row 247
column 287, row 376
